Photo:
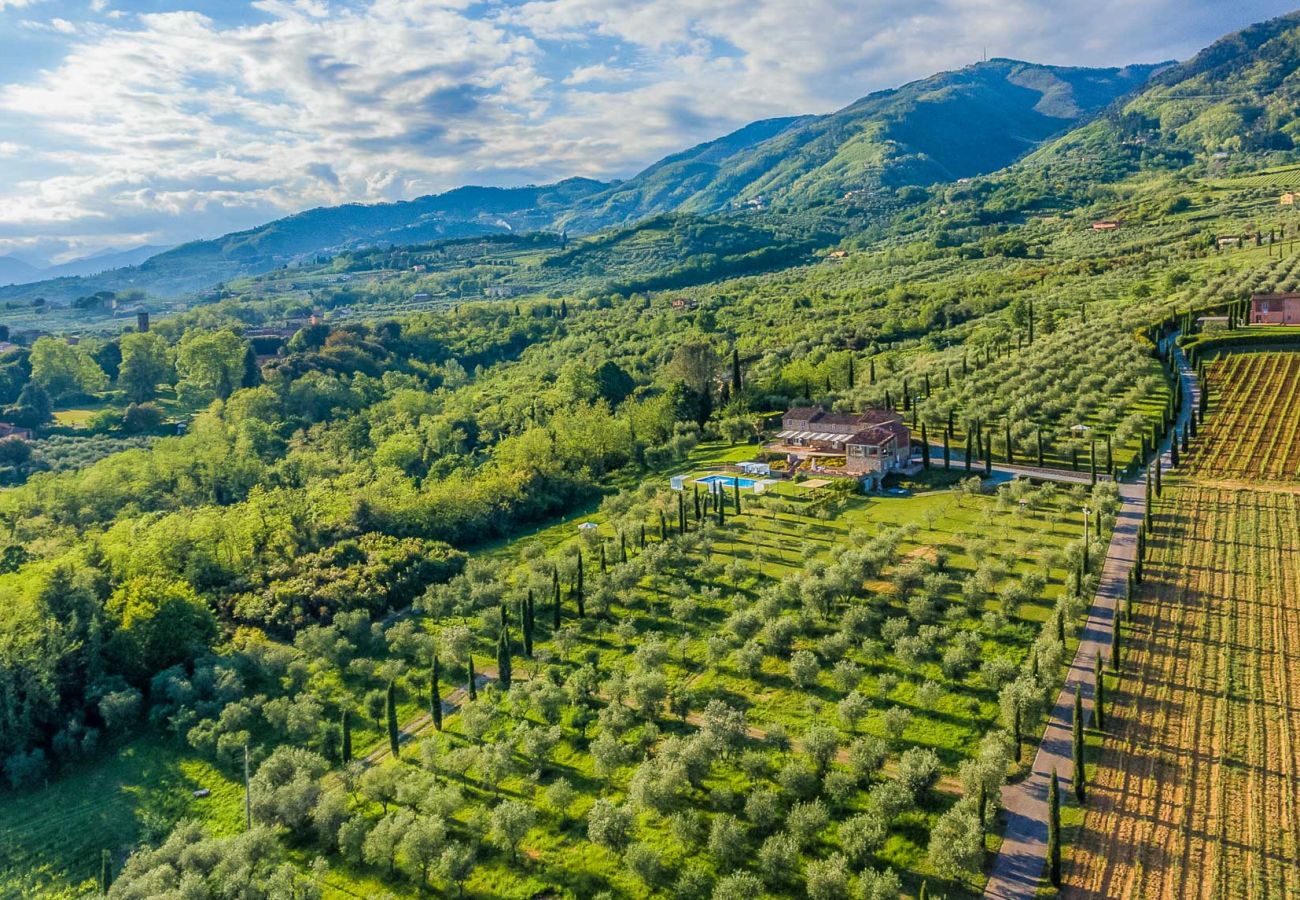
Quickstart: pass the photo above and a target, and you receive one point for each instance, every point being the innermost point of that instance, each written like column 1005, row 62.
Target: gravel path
column 1021, row 861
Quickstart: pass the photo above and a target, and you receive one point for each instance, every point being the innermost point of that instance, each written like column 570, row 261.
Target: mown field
column 1197, row 789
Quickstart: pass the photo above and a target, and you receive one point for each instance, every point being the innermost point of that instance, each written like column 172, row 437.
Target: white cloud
column 172, row 125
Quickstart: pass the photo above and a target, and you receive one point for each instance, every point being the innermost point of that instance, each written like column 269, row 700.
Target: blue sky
column 124, row 122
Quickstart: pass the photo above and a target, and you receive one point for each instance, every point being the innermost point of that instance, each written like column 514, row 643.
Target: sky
column 129, row 122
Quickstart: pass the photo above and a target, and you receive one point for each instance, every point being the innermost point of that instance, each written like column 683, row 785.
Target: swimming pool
column 728, row 480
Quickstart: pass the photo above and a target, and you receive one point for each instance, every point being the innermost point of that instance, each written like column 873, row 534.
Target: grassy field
column 51, row 839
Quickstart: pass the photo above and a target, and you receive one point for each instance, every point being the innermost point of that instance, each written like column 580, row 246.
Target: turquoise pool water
column 729, row 480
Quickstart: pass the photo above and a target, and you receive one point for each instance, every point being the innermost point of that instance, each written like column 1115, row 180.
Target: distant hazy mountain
column 968, row 122
column 104, row 261
column 15, row 271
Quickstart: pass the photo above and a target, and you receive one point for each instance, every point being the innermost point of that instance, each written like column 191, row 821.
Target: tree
column 456, row 864
column 827, row 879
column 470, row 686
column 608, row 825
column 804, row 668
column 1053, row 830
column 286, row 787
column 158, row 623
column 1076, row 745
column 210, row 365
column 422, row 845
column 144, row 364
column 510, row 822
column 504, row 671
column 727, row 842
column 862, row 835
column 32, row 409
column 64, row 370
column 345, row 741
column 1099, row 695
column 435, row 695
column 390, row 709
column 957, row 842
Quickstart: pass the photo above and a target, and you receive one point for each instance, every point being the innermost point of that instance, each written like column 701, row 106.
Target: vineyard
column 1196, row 793
column 1254, row 432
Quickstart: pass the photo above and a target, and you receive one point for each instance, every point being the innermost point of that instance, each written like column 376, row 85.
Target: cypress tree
column 925, row 448
column 642, row 547
column 1039, row 434
column 1099, row 695
column 435, row 694
column 1110, row 457
column 527, row 625
column 1114, row 645
column 1015, row 728
column 1074, row 458
column 681, row 513
column 470, row 686
column 1156, row 466
column 871, row 376
column 696, row 487
column 1076, row 746
column 737, row 384
column 1054, row 830
column 988, row 464
column 105, row 870
column 1173, row 450
column 927, row 385
column 622, row 546
column 907, row 397
column 345, row 737
column 504, row 670
column 394, row 735
column 1092, row 460
column 578, row 589
column 555, row 599
column 603, row 566
column 947, row 451
column 968, row 449
column 721, row 513
column 735, row 493
column 1011, row 450
column 850, row 379
column 663, row 526
column 1060, row 626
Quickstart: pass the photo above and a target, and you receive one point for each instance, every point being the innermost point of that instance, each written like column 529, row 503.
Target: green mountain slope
column 1232, row 107
column 952, row 125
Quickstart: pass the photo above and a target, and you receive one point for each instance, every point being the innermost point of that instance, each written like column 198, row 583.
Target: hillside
column 1231, row 108
column 952, row 125
column 463, row 212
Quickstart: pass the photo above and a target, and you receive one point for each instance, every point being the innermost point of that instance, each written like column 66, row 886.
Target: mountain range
column 16, row 271
column 953, row 125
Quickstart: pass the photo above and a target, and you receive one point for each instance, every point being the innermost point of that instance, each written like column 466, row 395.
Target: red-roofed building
column 1275, row 309
column 873, row 442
